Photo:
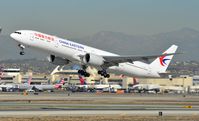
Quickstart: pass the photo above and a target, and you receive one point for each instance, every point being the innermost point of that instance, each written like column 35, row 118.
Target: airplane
column 83, row 86
column 107, row 87
column 29, row 87
column 63, row 52
column 15, row 86
column 48, row 87
column 10, row 87
column 194, row 89
column 45, row 87
column 6, row 87
column 173, row 89
column 146, row 88
column 100, row 86
column 60, row 84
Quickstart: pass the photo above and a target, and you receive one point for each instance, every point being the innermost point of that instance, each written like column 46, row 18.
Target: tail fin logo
column 163, row 60
column 82, row 82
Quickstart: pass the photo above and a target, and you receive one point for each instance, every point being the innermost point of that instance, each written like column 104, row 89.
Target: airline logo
column 163, row 60
column 43, row 36
column 70, row 44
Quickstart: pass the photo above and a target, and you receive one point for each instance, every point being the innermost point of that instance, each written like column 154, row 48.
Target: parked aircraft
column 194, row 89
column 45, row 87
column 63, row 51
column 173, row 89
column 83, row 86
column 107, row 87
column 60, row 84
column 29, row 87
column 6, row 87
column 150, row 88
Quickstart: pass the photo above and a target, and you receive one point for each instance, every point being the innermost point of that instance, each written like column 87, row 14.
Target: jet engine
column 93, row 59
column 57, row 60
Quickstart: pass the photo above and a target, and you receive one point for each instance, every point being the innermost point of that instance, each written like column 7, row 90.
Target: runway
column 62, row 104
column 98, row 112
column 81, row 104
column 67, row 105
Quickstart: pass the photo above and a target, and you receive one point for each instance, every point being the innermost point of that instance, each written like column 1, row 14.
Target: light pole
column 184, row 88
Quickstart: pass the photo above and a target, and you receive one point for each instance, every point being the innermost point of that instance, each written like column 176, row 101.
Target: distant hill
column 186, row 38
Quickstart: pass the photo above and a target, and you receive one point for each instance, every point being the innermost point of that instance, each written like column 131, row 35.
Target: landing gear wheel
column 99, row 72
column 22, row 47
column 87, row 74
column 107, row 76
column 22, row 53
column 83, row 73
column 104, row 73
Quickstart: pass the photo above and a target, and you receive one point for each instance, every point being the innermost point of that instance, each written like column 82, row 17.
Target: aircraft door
column 31, row 36
column 56, row 42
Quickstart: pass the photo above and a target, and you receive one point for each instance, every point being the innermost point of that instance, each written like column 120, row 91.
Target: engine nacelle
column 93, row 59
column 57, row 60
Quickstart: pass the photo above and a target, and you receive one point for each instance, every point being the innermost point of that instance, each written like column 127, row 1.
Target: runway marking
column 83, row 113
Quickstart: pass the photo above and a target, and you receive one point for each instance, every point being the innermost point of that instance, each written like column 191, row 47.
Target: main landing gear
column 104, row 73
column 86, row 74
column 83, row 71
column 22, row 47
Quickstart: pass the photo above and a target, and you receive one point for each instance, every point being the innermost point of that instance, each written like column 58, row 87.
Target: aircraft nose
column 13, row 35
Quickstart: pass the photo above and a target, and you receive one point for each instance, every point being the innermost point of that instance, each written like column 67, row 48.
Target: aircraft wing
column 114, row 60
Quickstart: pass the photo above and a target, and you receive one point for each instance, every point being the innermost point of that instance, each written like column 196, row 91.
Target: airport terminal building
column 72, row 77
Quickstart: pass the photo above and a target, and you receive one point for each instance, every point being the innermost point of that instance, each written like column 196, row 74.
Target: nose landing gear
column 22, row 47
column 22, row 53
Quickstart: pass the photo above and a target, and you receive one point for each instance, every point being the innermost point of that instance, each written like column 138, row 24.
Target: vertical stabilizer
column 82, row 81
column 55, row 70
column 29, row 79
column 161, row 64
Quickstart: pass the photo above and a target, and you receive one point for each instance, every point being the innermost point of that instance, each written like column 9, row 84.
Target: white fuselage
column 43, row 87
column 70, row 51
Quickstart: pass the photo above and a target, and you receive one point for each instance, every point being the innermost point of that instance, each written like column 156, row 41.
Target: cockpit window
column 17, row 32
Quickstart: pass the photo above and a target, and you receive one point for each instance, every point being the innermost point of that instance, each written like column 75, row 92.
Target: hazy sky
column 79, row 18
